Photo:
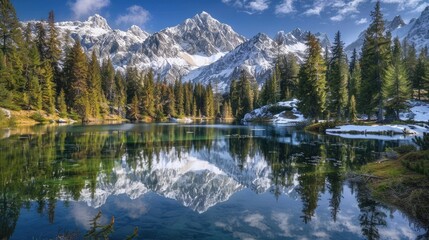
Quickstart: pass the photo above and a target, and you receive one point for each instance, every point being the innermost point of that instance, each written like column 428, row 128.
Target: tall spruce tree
column 355, row 81
column 241, row 96
column 76, row 72
column 94, row 86
column 338, row 79
column 108, row 82
column 289, row 70
column 396, row 86
column 421, row 73
column 312, row 81
column 375, row 59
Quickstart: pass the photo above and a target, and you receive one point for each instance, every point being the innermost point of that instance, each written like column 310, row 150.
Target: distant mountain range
column 205, row 50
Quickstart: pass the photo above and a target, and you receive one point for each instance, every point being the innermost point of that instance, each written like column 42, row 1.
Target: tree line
column 36, row 74
column 330, row 86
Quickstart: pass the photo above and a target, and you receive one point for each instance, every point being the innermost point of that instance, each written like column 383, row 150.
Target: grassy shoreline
column 395, row 183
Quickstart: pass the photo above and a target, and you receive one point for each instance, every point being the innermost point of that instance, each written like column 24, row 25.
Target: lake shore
column 397, row 183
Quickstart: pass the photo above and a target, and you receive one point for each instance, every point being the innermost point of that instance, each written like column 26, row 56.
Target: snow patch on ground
column 382, row 132
column 284, row 117
column 418, row 112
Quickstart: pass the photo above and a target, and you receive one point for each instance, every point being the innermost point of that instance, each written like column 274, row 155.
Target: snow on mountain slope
column 256, row 57
column 196, row 179
column 416, row 32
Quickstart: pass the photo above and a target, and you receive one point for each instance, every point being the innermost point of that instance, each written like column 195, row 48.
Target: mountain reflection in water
column 238, row 182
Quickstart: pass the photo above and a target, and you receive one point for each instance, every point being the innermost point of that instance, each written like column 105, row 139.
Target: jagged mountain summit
column 416, row 31
column 256, row 57
column 202, row 49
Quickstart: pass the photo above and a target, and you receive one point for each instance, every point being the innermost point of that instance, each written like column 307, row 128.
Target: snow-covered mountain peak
column 137, row 31
column 396, row 23
column 98, row 21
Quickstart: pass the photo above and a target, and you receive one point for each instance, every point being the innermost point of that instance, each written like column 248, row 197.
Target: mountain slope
column 416, row 31
column 256, row 56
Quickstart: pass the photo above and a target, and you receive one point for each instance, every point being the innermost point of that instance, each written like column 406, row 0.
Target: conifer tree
column 61, row 104
column 134, row 112
column 312, row 81
column 375, row 59
column 76, row 72
column 352, row 109
column 241, row 96
column 355, row 76
column 108, row 82
column 338, row 77
column 178, row 93
column 289, row 70
column 421, row 73
column 121, row 95
column 94, row 86
column 10, row 34
column 396, row 87
column 41, row 41
column 209, row 110
column 53, row 50
column 149, row 97
column 48, row 88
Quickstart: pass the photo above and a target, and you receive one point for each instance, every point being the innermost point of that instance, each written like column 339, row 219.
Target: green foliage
column 422, row 142
column 241, row 96
column 375, row 59
column 338, row 79
column 404, row 149
column 321, row 126
column 417, row 161
column 38, row 117
column 312, row 81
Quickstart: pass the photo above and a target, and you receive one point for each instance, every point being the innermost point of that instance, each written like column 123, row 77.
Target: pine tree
column 121, row 94
column 338, row 78
column 33, row 86
column 375, row 59
column 94, row 86
column 352, row 109
column 61, row 104
column 48, row 88
column 76, row 72
column 178, row 93
column 41, row 41
column 355, row 76
column 241, row 96
column 149, row 97
column 312, row 81
column 421, row 74
column 134, row 112
column 289, row 70
column 209, row 109
column 108, row 82
column 53, row 50
column 10, row 34
column 396, row 87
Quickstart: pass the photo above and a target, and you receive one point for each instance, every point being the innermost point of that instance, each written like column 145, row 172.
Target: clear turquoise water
column 190, row 182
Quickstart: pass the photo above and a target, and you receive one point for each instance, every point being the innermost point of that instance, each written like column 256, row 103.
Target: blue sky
column 247, row 17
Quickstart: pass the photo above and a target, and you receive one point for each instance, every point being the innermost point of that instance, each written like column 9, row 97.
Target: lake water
column 190, row 182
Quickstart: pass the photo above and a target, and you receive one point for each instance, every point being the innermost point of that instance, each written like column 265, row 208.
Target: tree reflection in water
column 49, row 164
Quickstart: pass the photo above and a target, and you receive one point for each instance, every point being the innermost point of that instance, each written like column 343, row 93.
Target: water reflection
column 198, row 166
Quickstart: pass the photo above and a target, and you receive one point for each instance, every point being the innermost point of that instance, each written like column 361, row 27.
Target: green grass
column 401, row 184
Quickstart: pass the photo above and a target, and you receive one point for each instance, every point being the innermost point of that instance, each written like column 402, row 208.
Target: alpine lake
column 190, row 181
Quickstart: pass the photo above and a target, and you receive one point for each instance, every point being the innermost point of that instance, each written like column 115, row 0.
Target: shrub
column 417, row 162
column 404, row 149
column 321, row 126
column 422, row 142
column 38, row 117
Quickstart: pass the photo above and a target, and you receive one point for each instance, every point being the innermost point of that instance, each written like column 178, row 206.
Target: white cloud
column 404, row 4
column 317, row 7
column 135, row 15
column 83, row 8
column 259, row 5
column 285, row 7
column 249, row 6
column 347, row 10
column 361, row 21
